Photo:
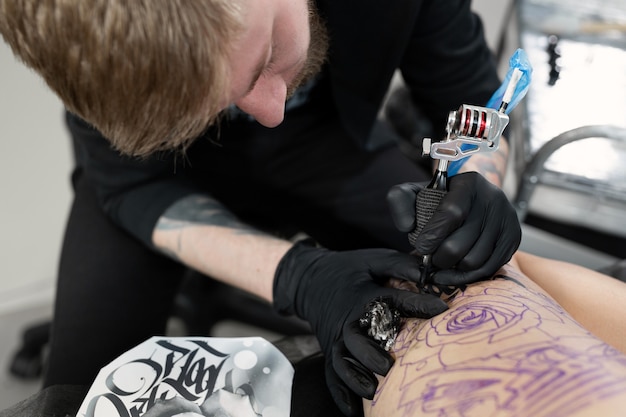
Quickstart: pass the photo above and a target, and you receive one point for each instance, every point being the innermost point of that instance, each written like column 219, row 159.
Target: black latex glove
column 331, row 290
column 473, row 232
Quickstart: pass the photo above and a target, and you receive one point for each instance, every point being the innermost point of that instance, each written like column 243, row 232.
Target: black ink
column 508, row 278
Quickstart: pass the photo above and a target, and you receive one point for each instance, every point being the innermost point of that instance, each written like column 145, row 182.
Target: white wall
column 35, row 163
column 492, row 13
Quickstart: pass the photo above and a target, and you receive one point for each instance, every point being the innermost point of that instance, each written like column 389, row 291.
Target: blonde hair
column 149, row 74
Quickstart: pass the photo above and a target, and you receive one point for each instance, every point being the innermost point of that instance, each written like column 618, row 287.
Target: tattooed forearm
column 171, row 253
column 491, row 165
column 194, row 211
column 201, row 210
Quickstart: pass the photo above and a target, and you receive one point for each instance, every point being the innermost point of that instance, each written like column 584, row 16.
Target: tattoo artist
column 211, row 131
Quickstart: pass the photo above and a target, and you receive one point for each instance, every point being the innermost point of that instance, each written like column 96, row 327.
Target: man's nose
column 266, row 101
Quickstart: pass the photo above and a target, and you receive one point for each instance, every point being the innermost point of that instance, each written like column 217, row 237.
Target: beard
column 317, row 52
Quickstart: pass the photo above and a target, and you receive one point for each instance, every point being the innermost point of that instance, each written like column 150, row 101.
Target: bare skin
column 505, row 348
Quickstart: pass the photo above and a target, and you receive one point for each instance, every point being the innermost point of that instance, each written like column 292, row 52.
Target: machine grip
column 426, row 203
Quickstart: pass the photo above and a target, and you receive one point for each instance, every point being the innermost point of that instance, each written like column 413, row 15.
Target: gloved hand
column 331, row 290
column 473, row 232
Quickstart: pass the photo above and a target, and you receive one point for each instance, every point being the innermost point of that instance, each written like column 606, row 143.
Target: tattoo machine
column 470, row 129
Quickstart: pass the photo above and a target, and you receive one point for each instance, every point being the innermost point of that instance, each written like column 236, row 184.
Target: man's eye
column 252, row 86
column 267, row 70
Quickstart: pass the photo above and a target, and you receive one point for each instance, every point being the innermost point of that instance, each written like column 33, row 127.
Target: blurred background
column 576, row 212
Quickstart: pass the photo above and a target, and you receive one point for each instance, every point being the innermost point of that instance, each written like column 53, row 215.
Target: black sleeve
column 133, row 192
column 447, row 60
